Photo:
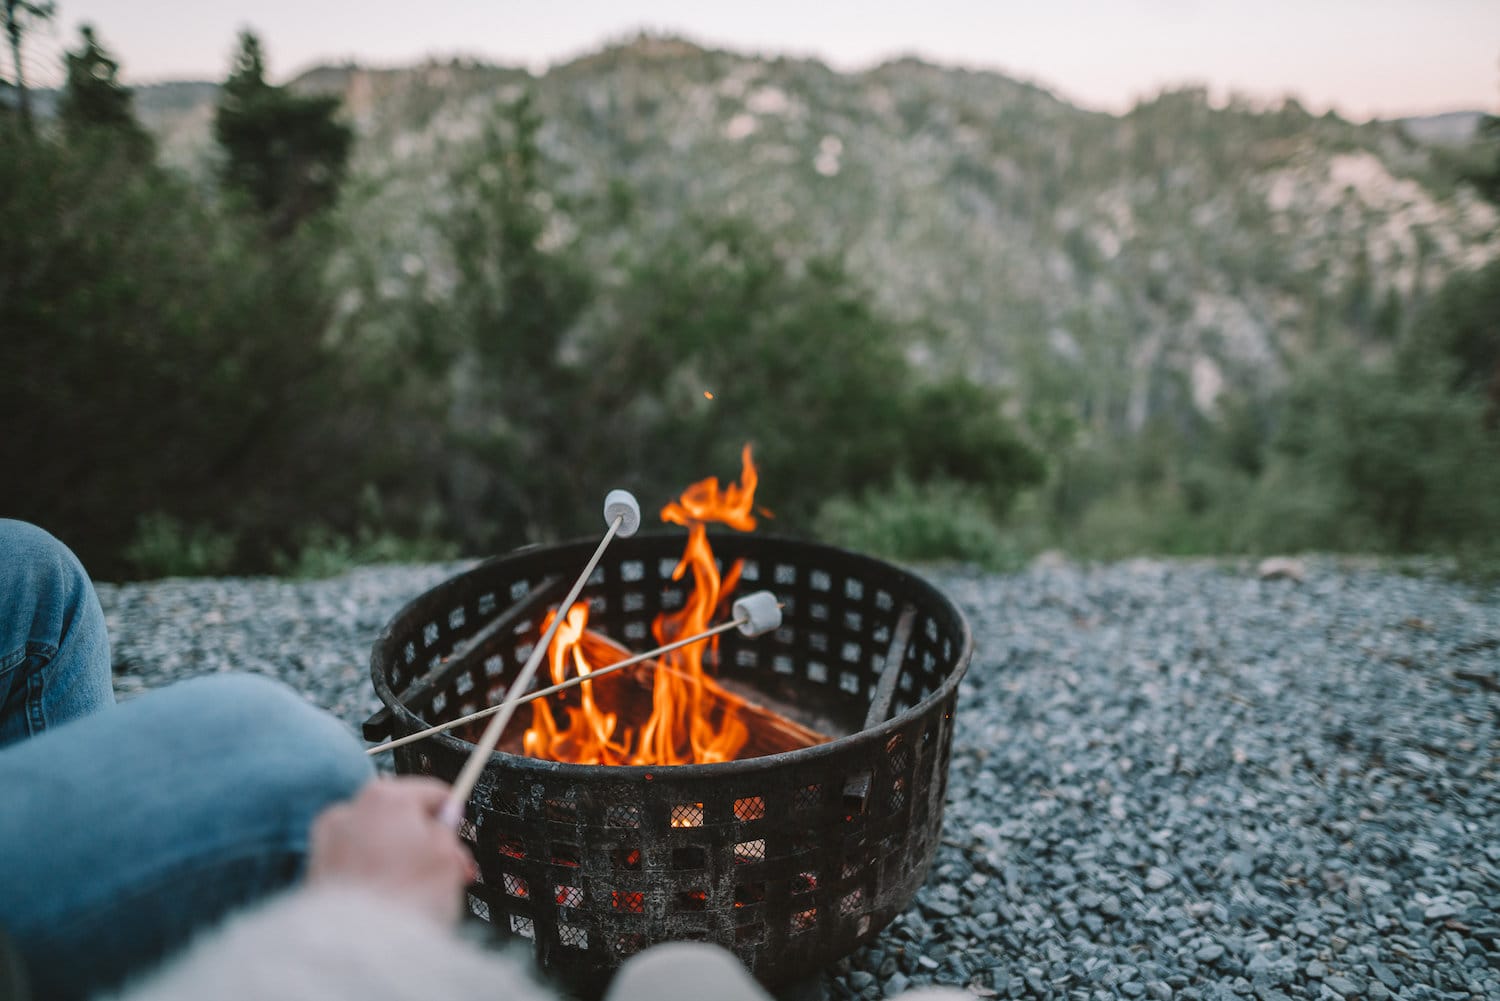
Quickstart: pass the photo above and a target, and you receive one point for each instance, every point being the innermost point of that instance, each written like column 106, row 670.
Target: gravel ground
column 1171, row 780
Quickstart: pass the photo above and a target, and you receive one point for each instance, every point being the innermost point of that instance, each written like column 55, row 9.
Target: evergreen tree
column 18, row 15
column 94, row 101
column 283, row 152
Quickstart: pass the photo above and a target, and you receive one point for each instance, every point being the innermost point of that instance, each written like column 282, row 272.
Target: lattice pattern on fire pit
column 791, row 860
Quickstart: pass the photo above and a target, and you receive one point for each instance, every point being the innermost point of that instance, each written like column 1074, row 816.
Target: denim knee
column 54, row 650
column 44, row 582
column 283, row 756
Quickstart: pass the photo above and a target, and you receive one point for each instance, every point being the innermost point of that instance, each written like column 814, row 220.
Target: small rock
column 860, row 979
column 1281, row 568
column 1317, row 969
column 1342, row 986
column 1158, row 879
column 1385, row 976
column 1210, row 953
column 896, row 984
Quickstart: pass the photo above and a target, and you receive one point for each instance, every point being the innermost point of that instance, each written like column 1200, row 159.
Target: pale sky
column 1363, row 58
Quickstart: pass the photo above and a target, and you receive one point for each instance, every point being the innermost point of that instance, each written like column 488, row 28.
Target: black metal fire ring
column 791, row 860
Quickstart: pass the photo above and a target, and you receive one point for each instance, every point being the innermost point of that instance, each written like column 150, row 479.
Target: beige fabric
column 336, row 943
column 342, row 943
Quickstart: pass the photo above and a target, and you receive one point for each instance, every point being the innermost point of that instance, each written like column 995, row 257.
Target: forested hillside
column 956, row 315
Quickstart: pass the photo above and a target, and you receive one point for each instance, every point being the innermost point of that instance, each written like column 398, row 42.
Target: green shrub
column 164, row 546
column 322, row 552
column 935, row 521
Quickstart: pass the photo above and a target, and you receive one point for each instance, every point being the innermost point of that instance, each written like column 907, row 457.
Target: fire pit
column 791, row 860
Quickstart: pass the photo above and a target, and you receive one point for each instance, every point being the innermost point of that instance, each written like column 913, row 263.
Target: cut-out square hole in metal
column 479, row 908
column 687, row 815
column 514, row 886
column 622, row 815
column 626, row 858
column 573, row 936
column 807, row 796
column 746, row 894
column 562, row 853
column 850, row 903
column 568, row 896
column 522, row 926
column 750, row 851
column 629, row 945
column 750, row 808
column 803, row 921
column 563, row 811
column 804, row 882
column 690, row 900
column 628, row 901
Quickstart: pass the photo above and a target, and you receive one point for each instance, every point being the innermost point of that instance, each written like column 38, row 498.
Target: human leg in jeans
column 126, row 829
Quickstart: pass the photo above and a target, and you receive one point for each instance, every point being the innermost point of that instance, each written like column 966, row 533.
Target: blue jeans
column 124, row 830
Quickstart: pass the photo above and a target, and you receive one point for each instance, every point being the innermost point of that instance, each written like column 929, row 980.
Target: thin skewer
column 593, row 675
column 624, row 515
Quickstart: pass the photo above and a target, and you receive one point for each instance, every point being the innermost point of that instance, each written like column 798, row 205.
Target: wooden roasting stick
column 418, row 697
column 623, row 514
column 744, row 621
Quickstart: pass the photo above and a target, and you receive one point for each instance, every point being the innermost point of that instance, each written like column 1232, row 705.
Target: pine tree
column 18, row 15
column 283, row 152
column 95, row 103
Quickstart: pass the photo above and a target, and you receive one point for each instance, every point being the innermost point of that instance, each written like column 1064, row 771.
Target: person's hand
column 389, row 839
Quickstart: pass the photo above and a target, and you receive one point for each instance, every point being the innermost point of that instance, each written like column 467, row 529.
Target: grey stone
column 1158, row 879
column 1342, row 986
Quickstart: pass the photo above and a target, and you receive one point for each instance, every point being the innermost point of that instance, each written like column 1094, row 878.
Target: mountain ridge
column 1151, row 260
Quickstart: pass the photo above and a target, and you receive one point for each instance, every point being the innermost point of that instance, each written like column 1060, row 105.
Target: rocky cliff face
column 1148, row 262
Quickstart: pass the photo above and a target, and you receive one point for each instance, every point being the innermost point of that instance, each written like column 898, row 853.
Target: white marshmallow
column 761, row 612
column 622, row 504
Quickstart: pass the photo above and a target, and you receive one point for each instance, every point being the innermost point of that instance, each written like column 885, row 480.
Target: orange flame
column 693, row 720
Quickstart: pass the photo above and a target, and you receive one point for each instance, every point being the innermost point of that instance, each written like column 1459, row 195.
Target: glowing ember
column 693, row 720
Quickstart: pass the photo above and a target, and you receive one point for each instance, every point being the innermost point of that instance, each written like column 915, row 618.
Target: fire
column 693, row 719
